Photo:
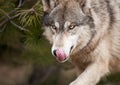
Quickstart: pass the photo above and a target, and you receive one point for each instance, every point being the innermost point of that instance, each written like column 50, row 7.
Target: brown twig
column 20, row 4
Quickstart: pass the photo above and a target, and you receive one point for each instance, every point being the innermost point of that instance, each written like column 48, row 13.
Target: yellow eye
column 72, row 27
column 54, row 27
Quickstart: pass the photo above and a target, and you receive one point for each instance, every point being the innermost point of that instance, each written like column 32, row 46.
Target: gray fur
column 97, row 52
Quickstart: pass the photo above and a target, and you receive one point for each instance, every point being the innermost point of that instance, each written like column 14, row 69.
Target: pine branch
column 21, row 3
column 3, row 28
column 9, row 19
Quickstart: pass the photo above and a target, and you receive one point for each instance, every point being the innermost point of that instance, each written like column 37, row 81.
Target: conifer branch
column 21, row 3
column 9, row 19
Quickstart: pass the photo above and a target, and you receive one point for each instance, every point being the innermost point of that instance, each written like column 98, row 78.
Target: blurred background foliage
column 25, row 56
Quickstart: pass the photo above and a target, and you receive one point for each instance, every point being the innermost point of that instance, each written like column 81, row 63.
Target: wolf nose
column 59, row 54
column 54, row 52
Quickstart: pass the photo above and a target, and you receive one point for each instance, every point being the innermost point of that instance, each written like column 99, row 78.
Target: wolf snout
column 54, row 52
column 60, row 54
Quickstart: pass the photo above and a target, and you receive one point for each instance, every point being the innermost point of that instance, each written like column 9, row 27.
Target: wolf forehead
column 61, row 14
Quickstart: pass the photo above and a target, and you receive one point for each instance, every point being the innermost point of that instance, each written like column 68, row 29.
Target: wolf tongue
column 60, row 55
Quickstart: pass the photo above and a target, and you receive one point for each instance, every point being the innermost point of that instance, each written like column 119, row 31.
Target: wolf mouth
column 61, row 56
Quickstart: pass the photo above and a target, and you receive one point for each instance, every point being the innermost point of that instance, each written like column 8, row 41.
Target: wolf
column 86, row 33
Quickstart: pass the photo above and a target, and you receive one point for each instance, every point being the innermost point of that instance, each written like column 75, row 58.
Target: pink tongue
column 60, row 55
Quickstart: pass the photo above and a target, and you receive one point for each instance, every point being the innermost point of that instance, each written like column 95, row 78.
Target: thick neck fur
column 105, row 43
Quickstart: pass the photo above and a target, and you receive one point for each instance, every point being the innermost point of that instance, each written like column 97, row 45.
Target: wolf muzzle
column 60, row 55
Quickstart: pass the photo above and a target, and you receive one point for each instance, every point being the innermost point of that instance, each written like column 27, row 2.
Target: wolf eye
column 53, row 27
column 72, row 27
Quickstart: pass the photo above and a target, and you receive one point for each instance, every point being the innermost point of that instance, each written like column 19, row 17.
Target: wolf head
column 68, row 26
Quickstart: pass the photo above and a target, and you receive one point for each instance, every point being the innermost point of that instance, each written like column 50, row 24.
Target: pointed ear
column 48, row 5
column 87, row 11
column 85, row 6
column 82, row 2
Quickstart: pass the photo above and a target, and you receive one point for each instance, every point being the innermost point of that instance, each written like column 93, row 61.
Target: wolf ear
column 84, row 4
column 81, row 2
column 48, row 5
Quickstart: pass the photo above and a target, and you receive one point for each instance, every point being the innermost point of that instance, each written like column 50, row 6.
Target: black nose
column 54, row 52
